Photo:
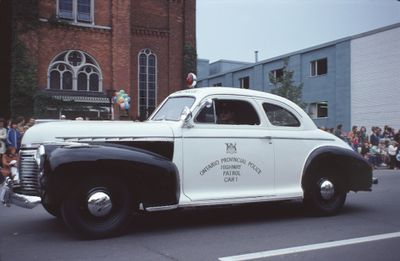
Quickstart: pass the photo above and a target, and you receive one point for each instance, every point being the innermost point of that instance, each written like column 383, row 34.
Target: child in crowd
column 10, row 155
column 383, row 155
column 364, row 150
column 374, row 155
column 3, row 137
column 13, row 135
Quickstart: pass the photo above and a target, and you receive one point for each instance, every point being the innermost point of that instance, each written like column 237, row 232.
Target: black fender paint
column 152, row 178
column 349, row 165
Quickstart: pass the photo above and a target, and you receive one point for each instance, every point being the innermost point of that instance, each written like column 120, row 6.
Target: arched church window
column 147, row 62
column 74, row 70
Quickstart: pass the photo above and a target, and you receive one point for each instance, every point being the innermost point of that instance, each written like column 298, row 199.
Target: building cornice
column 151, row 32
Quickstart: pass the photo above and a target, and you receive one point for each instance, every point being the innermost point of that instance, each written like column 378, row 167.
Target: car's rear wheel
column 325, row 194
column 98, row 207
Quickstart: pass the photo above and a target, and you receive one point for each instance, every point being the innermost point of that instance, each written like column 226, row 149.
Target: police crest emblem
column 231, row 148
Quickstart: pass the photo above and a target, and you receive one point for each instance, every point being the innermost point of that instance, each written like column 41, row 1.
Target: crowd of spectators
column 11, row 133
column 380, row 147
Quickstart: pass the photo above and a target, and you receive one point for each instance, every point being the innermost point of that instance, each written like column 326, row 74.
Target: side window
column 206, row 115
column 233, row 112
column 279, row 116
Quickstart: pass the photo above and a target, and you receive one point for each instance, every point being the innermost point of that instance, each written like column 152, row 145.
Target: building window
column 244, row 82
column 147, row 62
column 318, row 110
column 76, row 10
column 276, row 75
column 217, row 84
column 319, row 67
column 76, row 71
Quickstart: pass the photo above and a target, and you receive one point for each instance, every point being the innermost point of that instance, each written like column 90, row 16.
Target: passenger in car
column 225, row 115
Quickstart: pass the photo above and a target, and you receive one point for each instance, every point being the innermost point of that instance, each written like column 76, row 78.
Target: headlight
column 39, row 156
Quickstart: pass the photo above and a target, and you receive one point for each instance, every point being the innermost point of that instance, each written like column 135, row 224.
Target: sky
column 235, row 29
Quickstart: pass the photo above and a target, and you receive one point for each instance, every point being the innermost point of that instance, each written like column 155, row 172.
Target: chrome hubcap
column 99, row 204
column 327, row 189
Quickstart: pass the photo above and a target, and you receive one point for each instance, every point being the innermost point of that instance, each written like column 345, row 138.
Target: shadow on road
column 224, row 216
column 193, row 218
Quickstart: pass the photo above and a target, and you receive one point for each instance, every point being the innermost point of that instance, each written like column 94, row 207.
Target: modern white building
column 350, row 81
column 375, row 78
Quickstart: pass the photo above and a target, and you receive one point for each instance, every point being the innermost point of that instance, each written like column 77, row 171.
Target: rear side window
column 279, row 116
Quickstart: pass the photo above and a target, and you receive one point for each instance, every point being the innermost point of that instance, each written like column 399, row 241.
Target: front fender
column 355, row 171
column 153, row 179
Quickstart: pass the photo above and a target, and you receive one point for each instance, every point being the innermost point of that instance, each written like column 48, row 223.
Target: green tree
column 23, row 65
column 284, row 85
column 23, row 83
column 189, row 60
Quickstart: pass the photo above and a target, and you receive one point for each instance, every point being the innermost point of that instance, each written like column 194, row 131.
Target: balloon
column 123, row 99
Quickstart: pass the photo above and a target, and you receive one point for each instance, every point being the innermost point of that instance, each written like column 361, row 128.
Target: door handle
column 269, row 138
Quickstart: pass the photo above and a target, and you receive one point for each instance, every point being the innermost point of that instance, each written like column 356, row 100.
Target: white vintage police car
column 201, row 147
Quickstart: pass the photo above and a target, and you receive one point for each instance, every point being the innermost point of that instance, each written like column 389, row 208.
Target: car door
column 292, row 144
column 225, row 159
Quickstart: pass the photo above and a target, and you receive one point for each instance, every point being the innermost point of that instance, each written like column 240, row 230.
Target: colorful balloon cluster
column 122, row 98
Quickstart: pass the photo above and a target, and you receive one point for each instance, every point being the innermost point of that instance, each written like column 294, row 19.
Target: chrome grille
column 28, row 173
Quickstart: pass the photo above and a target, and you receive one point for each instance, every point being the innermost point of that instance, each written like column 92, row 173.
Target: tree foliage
column 189, row 60
column 23, row 82
column 23, row 67
column 284, row 86
column 26, row 14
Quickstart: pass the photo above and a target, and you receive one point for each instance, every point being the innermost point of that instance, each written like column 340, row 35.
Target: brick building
column 85, row 50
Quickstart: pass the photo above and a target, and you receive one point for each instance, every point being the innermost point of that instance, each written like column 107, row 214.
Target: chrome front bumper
column 8, row 197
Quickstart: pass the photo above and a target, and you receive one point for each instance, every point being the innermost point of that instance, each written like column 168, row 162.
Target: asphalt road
column 223, row 233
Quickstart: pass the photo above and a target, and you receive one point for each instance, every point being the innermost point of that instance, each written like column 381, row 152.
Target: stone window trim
column 147, row 102
column 80, row 67
column 74, row 18
column 89, row 26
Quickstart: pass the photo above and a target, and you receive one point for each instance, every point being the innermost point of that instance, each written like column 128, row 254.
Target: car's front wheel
column 52, row 209
column 325, row 194
column 99, row 207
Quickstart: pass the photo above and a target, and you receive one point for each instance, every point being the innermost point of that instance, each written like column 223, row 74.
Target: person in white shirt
column 392, row 150
column 3, row 137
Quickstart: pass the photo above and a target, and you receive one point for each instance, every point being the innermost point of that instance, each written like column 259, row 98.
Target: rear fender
column 353, row 169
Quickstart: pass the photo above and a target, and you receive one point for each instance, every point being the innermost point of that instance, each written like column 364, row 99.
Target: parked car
column 200, row 147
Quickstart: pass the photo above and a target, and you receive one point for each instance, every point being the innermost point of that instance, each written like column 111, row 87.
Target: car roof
column 205, row 91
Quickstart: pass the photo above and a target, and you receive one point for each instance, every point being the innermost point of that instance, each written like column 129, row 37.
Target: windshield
column 172, row 108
